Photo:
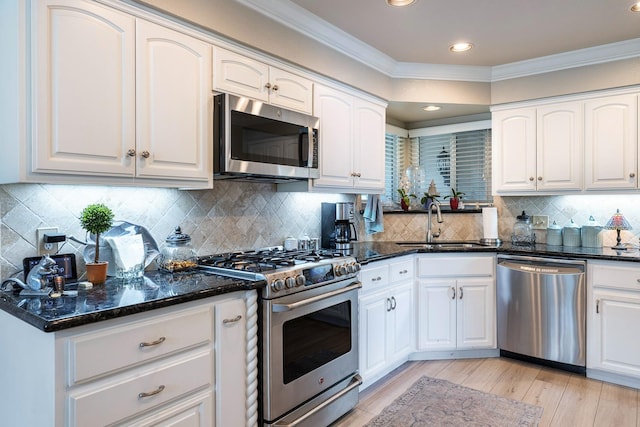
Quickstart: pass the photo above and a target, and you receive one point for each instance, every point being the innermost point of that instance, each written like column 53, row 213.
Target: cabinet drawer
column 137, row 342
column 621, row 276
column 123, row 397
column 455, row 266
column 373, row 277
column 401, row 270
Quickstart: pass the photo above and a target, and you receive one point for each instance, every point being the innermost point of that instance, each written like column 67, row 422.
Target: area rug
column 434, row 402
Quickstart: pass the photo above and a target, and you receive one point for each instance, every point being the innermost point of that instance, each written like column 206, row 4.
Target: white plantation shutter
column 468, row 152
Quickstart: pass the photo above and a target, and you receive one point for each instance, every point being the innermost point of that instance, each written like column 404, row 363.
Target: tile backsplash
column 236, row 215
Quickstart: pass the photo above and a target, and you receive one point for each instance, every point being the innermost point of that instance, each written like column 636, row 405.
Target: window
column 456, row 156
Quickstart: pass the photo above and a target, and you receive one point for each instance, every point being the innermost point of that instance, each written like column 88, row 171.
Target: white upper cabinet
column 240, row 75
column 117, row 100
column 351, row 142
column 174, row 104
column 84, row 90
column 611, row 142
column 589, row 142
column 538, row 149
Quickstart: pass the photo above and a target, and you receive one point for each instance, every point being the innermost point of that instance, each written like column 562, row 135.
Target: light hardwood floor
column 569, row 400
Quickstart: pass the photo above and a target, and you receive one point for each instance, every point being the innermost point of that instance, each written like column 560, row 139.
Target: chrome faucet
column 431, row 234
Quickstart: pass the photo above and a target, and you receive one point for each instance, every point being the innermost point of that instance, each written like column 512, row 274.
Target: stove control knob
column 300, row 280
column 354, row 267
column 341, row 270
column 277, row 285
column 290, row 282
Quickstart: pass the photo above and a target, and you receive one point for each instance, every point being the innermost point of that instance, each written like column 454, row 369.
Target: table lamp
column 618, row 222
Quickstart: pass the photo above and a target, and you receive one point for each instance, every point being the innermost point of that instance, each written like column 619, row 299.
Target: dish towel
column 373, row 221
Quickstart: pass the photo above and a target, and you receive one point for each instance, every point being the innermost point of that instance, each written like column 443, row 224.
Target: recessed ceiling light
column 400, row 2
column 460, row 47
column 635, row 7
column 431, row 108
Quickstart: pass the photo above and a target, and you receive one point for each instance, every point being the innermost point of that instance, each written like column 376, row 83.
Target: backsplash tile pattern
column 236, row 216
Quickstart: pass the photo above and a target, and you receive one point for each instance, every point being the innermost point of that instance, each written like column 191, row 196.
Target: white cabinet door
column 368, row 146
column 231, row 371
column 401, row 320
column 84, row 88
column 174, row 104
column 335, row 146
column 559, row 148
column 238, row 74
column 290, row 91
column 244, row 76
column 437, row 314
column 611, row 142
column 514, row 150
column 476, row 313
column 610, row 347
column 372, row 333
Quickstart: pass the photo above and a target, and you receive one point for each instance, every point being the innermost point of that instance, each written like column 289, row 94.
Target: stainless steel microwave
column 258, row 141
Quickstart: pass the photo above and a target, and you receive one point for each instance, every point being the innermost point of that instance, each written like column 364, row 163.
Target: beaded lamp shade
column 618, row 222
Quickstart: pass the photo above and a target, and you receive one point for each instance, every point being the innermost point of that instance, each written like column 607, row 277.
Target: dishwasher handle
column 541, row 267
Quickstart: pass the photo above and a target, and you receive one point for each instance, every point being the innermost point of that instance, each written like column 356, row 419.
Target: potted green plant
column 427, row 199
column 405, row 199
column 454, row 198
column 96, row 219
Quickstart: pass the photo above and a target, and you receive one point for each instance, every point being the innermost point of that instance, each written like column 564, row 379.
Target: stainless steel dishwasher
column 541, row 305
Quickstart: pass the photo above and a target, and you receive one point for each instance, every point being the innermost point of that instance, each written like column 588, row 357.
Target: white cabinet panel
column 611, row 142
column 85, row 88
column 437, row 314
column 174, row 110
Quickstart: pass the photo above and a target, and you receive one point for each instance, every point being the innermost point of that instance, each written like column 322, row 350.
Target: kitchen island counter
column 117, row 298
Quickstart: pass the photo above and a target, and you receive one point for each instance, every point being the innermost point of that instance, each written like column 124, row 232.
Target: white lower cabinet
column 184, row 365
column 456, row 302
column 386, row 315
column 613, row 311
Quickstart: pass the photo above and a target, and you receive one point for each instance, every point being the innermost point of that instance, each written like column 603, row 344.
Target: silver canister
column 592, row 234
column 571, row 234
column 290, row 244
column 554, row 235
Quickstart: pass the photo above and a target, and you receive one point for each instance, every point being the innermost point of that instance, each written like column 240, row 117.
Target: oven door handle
column 356, row 381
column 279, row 308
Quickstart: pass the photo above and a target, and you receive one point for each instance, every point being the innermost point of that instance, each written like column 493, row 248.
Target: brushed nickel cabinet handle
column 131, row 152
column 388, row 304
column 150, row 393
column 152, row 343
column 235, row 319
column 454, row 292
column 597, row 306
column 404, row 272
column 461, row 292
column 145, row 154
column 394, row 303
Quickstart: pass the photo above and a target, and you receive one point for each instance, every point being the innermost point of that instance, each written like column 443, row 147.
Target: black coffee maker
column 337, row 226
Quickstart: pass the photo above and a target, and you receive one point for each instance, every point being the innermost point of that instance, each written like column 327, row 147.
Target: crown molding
column 301, row 20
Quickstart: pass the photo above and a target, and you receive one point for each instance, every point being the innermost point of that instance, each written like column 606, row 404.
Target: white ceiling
column 402, row 41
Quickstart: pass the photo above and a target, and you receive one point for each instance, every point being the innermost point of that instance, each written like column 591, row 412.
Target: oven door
column 310, row 344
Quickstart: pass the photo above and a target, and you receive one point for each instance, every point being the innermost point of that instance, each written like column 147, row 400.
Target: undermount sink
column 444, row 245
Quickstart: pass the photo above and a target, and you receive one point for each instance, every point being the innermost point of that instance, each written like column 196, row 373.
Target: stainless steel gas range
column 309, row 331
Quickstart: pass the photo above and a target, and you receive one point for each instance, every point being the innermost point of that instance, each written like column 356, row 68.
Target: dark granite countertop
column 366, row 252
column 116, row 299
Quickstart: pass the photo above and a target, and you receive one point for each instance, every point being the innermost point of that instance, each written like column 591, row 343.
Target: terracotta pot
column 453, row 203
column 97, row 272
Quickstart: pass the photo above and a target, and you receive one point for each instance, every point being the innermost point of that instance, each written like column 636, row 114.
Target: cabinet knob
column 275, row 87
column 632, row 175
column 539, row 178
column 268, row 85
column 358, row 175
column 531, row 178
column 145, row 154
column 131, row 152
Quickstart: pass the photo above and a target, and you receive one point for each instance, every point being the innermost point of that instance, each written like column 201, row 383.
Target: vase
column 453, row 203
column 97, row 272
column 404, row 205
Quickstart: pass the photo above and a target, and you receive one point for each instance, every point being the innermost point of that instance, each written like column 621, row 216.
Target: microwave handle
column 305, row 142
